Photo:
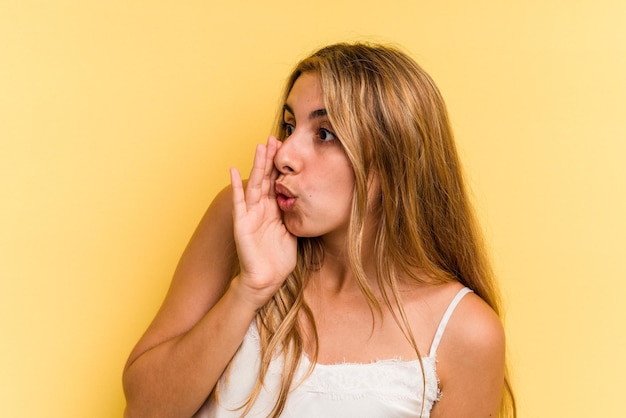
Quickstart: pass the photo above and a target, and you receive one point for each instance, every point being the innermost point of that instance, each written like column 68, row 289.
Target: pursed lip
column 284, row 197
column 280, row 189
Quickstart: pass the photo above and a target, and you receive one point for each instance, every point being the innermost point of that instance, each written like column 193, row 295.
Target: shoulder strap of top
column 446, row 318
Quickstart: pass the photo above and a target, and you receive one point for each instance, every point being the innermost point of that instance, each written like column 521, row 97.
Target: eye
column 326, row 135
column 288, row 128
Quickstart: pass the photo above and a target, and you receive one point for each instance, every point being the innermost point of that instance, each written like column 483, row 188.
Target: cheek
column 346, row 181
column 333, row 177
column 342, row 191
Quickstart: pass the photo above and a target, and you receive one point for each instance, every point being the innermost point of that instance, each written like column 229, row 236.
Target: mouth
column 284, row 197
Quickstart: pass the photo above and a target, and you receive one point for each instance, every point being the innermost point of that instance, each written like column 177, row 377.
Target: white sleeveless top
column 381, row 389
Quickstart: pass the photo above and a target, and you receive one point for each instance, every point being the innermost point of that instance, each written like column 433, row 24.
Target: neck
column 336, row 273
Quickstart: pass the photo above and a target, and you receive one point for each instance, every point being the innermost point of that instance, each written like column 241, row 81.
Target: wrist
column 246, row 296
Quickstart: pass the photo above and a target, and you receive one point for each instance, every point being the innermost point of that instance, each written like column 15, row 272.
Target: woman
column 350, row 280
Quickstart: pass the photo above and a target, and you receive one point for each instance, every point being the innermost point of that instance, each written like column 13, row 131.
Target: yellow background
column 119, row 120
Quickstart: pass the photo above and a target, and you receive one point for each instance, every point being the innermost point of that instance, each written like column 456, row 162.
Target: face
column 315, row 183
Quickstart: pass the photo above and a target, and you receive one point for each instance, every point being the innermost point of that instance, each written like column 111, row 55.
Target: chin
column 298, row 230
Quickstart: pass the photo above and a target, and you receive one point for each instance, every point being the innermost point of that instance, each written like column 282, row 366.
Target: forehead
column 306, row 93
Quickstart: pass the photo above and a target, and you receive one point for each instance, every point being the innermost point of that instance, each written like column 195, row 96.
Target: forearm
column 174, row 378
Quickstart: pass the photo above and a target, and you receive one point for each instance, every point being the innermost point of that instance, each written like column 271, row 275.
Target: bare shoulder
column 471, row 361
column 474, row 326
column 201, row 276
column 474, row 337
column 208, row 257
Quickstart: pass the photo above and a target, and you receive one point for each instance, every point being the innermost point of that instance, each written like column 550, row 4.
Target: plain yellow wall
column 119, row 120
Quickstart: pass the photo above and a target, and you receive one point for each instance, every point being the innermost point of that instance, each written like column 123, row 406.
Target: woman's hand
column 266, row 249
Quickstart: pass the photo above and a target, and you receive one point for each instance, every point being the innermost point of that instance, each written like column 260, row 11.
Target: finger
column 253, row 190
column 239, row 203
column 269, row 166
column 275, row 172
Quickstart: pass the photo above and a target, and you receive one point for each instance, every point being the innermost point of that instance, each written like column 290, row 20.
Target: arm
column 470, row 363
column 177, row 362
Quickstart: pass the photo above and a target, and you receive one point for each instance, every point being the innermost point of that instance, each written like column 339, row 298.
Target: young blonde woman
column 346, row 278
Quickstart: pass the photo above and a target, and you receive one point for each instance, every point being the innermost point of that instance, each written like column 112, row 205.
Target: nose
column 288, row 158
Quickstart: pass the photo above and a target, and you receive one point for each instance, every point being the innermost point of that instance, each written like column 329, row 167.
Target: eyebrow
column 319, row 113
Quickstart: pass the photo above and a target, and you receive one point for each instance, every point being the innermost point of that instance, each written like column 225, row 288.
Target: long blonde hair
column 392, row 123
